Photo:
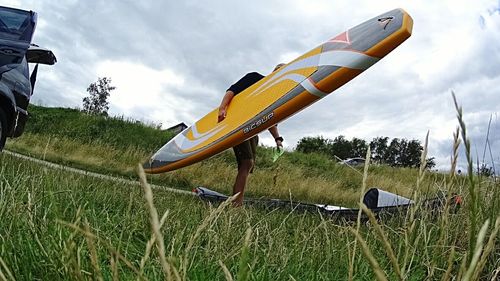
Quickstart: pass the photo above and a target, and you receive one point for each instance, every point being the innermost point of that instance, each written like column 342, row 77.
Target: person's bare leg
column 241, row 180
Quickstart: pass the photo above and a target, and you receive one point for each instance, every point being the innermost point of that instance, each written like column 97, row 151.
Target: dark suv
column 16, row 83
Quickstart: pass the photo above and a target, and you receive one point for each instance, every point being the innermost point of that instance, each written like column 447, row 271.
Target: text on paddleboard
column 258, row 122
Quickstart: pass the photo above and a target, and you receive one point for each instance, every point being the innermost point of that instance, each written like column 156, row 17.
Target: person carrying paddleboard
column 245, row 152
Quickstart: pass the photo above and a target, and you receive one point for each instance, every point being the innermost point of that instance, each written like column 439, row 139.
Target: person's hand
column 279, row 142
column 222, row 115
column 279, row 149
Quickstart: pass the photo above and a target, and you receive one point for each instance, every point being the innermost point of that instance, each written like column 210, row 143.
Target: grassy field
column 108, row 145
column 56, row 225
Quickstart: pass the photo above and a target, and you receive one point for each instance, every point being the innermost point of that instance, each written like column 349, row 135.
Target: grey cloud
column 212, row 45
column 207, row 45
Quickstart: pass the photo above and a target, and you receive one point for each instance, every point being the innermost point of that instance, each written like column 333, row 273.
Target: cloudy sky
column 171, row 61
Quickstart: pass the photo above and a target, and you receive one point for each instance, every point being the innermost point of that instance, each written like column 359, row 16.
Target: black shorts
column 246, row 150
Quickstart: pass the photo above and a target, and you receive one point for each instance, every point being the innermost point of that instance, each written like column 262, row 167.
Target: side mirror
column 37, row 54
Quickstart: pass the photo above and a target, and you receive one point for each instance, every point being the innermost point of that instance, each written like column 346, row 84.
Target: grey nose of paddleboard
column 151, row 164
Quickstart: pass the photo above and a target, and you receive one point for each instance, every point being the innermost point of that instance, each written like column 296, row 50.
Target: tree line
column 396, row 152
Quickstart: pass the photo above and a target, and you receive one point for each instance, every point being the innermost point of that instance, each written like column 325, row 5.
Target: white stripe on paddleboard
column 197, row 135
column 347, row 59
column 291, row 76
column 311, row 88
column 185, row 144
column 340, row 58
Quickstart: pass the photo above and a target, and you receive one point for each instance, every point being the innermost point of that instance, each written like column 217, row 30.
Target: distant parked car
column 353, row 161
column 16, row 83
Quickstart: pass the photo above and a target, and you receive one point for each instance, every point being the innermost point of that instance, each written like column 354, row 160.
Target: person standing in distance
column 245, row 152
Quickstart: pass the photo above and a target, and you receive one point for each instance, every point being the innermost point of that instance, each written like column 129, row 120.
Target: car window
column 16, row 24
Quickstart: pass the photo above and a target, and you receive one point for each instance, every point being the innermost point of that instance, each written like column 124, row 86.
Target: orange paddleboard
column 286, row 91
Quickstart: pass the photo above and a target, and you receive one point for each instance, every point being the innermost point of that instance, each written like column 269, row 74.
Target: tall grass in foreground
column 57, row 226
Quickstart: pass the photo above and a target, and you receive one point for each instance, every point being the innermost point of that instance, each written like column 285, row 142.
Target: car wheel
column 3, row 129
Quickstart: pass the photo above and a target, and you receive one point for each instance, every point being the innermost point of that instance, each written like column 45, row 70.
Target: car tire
column 3, row 129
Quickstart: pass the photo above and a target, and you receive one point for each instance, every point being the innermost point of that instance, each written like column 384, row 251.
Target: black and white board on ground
column 377, row 200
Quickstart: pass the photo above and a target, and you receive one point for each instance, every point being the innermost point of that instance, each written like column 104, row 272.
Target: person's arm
column 224, row 104
column 274, row 132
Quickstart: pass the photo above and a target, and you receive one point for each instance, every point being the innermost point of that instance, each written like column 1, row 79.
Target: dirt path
column 92, row 174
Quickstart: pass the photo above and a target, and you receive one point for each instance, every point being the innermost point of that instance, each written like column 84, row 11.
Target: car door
column 16, row 31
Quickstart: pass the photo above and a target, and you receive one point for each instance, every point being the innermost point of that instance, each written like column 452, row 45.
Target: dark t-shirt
column 245, row 82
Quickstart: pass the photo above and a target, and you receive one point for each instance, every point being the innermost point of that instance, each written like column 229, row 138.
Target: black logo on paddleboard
column 258, row 122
